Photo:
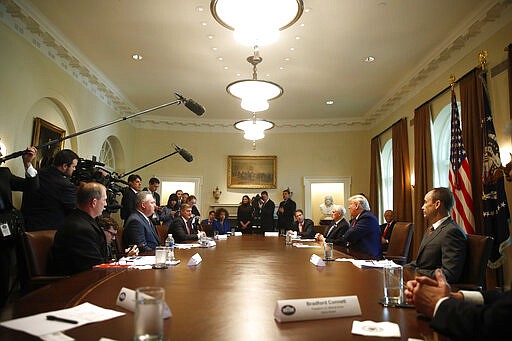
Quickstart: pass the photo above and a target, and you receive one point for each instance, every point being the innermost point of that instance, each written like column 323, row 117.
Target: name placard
column 126, row 300
column 316, row 260
column 195, row 260
column 316, row 308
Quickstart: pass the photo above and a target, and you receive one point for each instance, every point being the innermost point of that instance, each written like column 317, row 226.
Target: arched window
column 386, row 161
column 441, row 134
column 107, row 155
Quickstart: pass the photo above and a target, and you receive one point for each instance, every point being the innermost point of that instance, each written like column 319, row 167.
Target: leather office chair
column 162, row 231
column 322, row 229
column 400, row 242
column 119, row 242
column 208, row 229
column 37, row 247
column 478, row 252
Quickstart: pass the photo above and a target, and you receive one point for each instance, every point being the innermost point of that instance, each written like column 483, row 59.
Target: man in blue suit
column 363, row 234
column 138, row 228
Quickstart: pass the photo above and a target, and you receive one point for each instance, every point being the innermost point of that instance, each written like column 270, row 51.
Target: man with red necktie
column 387, row 228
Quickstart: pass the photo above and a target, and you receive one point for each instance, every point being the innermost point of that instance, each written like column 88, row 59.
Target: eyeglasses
column 112, row 234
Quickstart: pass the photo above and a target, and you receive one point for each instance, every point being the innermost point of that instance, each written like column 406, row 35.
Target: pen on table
column 60, row 319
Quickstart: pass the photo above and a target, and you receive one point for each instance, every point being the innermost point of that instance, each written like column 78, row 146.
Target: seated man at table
column 110, row 227
column 462, row 315
column 138, row 228
column 80, row 243
column 305, row 228
column 181, row 228
column 363, row 235
column 338, row 227
column 444, row 242
column 210, row 220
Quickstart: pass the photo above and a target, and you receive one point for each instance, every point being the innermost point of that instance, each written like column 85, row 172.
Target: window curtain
column 375, row 177
column 510, row 78
column 423, row 170
column 402, row 203
column 471, row 101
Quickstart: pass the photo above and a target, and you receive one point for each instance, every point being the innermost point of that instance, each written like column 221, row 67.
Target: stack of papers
column 39, row 325
column 361, row 263
column 300, row 245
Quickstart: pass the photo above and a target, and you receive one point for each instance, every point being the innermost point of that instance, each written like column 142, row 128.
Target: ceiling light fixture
column 256, row 22
column 254, row 93
column 254, row 129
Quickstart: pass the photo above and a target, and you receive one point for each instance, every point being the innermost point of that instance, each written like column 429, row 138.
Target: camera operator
column 46, row 207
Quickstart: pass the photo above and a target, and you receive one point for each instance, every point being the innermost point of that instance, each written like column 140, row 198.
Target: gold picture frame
column 42, row 133
column 252, row 171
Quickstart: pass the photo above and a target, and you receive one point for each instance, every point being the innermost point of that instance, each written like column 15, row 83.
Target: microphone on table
column 192, row 105
column 184, row 153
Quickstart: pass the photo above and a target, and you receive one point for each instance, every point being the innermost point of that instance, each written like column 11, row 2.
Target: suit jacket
column 47, row 207
column 388, row 233
column 309, row 228
column 179, row 231
column 79, row 244
column 466, row 321
column 141, row 232
column 445, row 248
column 285, row 219
column 222, row 228
column 10, row 182
column 364, row 236
column 128, row 203
column 267, row 214
column 337, row 232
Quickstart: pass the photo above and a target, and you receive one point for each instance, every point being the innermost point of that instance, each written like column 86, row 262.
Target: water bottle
column 169, row 242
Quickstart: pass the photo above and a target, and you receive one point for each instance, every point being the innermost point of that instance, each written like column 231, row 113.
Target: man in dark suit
column 337, row 228
column 267, row 208
column 286, row 211
column 463, row 315
column 130, row 195
column 363, row 234
column 10, row 218
column 304, row 227
column 387, row 228
column 181, row 228
column 47, row 207
column 154, row 183
column 138, row 228
column 444, row 243
column 80, row 243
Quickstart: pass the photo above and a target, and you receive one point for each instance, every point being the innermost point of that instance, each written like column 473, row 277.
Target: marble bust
column 326, row 207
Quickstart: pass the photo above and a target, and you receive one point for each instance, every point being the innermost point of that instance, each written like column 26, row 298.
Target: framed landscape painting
column 44, row 132
column 252, row 171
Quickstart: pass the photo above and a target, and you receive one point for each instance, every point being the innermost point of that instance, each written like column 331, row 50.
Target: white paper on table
column 58, row 336
column 84, row 313
column 361, row 263
column 343, row 260
column 371, row 328
column 300, row 245
column 271, row 234
column 316, row 260
column 184, row 246
column 195, row 260
column 222, row 237
column 307, row 239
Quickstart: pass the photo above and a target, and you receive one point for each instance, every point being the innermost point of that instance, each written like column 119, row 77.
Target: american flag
column 495, row 206
column 459, row 176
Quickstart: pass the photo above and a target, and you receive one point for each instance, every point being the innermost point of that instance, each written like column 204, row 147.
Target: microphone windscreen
column 195, row 107
column 186, row 155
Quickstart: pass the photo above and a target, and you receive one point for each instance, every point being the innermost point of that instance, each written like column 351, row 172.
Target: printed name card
column 317, row 260
column 222, row 237
column 238, row 234
column 126, row 300
column 271, row 234
column 316, row 308
column 195, row 260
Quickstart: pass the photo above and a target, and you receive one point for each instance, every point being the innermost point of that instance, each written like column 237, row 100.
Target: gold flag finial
column 482, row 59
column 452, row 81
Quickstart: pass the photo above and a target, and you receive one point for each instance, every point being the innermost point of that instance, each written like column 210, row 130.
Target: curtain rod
column 442, row 92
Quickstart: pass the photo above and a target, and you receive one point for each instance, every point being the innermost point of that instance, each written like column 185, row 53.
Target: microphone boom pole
column 124, row 118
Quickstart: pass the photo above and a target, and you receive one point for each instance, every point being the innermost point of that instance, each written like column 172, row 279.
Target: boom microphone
column 192, row 105
column 184, row 153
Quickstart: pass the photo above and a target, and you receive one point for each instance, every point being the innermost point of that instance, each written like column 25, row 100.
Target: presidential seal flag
column 459, row 175
column 495, row 206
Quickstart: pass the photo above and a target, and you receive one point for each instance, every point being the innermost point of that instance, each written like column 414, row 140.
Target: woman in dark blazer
column 244, row 215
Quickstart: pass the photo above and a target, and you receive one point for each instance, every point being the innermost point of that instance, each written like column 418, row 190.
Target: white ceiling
column 411, row 40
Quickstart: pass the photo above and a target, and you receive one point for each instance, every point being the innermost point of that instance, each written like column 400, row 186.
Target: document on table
column 39, row 325
column 300, row 245
column 361, row 263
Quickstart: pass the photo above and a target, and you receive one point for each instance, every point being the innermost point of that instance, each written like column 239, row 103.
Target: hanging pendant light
column 254, row 93
column 256, row 22
column 254, row 129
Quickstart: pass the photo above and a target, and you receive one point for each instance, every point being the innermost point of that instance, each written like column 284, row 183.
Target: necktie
column 385, row 230
column 301, row 227
column 354, row 222
column 188, row 226
column 430, row 230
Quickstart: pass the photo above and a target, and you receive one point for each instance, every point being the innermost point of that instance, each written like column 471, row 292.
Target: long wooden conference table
column 231, row 295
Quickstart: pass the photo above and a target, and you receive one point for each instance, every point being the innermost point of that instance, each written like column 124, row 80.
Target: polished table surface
column 231, row 295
